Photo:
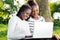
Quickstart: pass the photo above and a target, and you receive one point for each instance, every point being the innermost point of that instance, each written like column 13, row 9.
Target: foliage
column 7, row 7
column 4, row 17
column 55, row 7
column 57, row 22
column 1, row 20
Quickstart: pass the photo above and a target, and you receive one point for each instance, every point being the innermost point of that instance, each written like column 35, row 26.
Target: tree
column 45, row 9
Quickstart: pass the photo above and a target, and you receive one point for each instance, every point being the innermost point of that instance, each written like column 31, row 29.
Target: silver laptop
column 43, row 30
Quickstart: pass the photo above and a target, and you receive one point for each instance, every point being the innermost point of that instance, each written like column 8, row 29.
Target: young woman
column 18, row 28
column 36, row 17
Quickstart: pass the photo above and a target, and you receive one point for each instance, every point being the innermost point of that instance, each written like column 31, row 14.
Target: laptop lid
column 43, row 30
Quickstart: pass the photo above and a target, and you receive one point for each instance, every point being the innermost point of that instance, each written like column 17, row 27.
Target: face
column 35, row 11
column 26, row 14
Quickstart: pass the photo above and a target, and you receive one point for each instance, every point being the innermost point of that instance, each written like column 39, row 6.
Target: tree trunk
column 44, row 8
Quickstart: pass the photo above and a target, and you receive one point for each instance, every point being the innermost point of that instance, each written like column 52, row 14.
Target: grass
column 3, row 38
column 3, row 31
column 57, row 30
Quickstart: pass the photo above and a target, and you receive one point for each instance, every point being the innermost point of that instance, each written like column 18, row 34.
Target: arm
column 12, row 32
column 55, row 36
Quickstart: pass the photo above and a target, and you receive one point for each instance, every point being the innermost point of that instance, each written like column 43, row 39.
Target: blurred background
column 49, row 9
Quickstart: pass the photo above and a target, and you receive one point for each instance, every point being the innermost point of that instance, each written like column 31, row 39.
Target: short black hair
column 22, row 9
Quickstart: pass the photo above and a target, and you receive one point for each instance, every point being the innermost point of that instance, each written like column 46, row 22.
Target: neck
column 36, row 18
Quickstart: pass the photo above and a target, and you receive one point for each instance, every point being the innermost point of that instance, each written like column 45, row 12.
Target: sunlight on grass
column 3, row 32
column 3, row 27
column 3, row 38
column 57, row 30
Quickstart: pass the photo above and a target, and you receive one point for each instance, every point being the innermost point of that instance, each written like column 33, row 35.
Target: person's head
column 35, row 9
column 24, row 12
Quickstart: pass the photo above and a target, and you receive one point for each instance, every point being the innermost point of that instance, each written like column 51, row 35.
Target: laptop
column 43, row 30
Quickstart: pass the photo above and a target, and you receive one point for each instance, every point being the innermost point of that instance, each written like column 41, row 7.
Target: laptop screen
column 43, row 30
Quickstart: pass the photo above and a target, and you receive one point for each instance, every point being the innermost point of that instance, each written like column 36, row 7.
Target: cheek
column 37, row 13
column 24, row 15
column 34, row 14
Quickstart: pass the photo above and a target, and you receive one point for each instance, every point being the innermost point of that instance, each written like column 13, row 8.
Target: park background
column 49, row 9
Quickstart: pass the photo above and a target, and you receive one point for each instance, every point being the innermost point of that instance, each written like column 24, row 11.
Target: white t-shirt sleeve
column 11, row 29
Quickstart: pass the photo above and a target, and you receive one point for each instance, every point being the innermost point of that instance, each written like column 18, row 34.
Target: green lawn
column 3, row 31
column 57, row 30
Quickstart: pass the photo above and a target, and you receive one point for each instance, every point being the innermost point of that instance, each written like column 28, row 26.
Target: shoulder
column 13, row 19
column 41, row 18
column 30, row 19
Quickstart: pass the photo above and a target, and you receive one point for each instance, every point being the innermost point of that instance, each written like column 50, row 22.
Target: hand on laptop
column 28, row 36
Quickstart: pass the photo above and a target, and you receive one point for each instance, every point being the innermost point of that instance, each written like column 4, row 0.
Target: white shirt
column 31, row 23
column 17, row 28
column 40, row 19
